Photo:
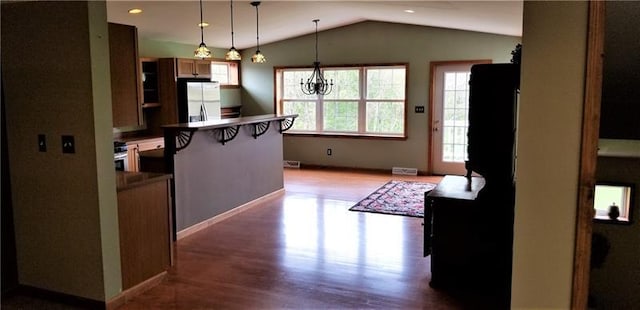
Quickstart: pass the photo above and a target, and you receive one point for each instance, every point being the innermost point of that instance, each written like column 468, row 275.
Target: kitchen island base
column 219, row 166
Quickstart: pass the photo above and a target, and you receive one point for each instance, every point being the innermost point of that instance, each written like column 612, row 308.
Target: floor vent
column 404, row 171
column 291, row 164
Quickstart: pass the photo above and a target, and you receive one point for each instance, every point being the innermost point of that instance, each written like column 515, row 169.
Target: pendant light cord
column 316, row 21
column 201, row 25
column 232, row 43
column 257, row 27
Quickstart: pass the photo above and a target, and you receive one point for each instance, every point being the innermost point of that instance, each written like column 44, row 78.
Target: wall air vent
column 291, row 164
column 404, row 171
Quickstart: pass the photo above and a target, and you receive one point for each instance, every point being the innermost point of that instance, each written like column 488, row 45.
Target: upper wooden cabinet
column 150, row 86
column 125, row 73
column 189, row 68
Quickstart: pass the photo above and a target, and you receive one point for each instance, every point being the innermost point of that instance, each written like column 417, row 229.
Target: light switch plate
column 42, row 143
column 419, row 109
column 68, row 144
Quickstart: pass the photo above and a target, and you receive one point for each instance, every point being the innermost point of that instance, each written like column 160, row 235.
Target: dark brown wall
column 621, row 84
column 615, row 285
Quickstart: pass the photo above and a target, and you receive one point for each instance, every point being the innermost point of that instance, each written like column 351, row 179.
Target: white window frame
column 362, row 102
column 624, row 203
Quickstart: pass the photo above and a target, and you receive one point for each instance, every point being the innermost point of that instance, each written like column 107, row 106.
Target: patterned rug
column 396, row 197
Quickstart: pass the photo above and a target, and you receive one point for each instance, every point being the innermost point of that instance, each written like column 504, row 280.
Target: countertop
column 227, row 122
column 157, row 153
column 126, row 180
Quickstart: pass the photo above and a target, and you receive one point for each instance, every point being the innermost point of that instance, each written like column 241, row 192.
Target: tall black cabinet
column 469, row 220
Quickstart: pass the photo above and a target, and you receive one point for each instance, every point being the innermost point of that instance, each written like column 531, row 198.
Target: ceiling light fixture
column 135, row 11
column 202, row 51
column 232, row 54
column 316, row 83
column 409, row 11
column 257, row 57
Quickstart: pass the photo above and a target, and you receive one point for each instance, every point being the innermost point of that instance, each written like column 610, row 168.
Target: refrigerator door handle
column 203, row 112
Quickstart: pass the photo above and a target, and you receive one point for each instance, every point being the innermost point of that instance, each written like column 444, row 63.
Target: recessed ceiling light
column 203, row 24
column 409, row 11
column 135, row 11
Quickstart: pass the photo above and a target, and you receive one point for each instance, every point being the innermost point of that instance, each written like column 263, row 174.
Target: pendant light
column 232, row 54
column 202, row 51
column 316, row 83
column 257, row 57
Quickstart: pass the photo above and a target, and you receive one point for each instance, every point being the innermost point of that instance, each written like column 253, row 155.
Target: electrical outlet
column 42, row 143
column 68, row 144
column 329, row 152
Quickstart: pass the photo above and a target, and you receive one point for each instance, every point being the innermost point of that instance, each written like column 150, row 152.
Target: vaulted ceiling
column 177, row 21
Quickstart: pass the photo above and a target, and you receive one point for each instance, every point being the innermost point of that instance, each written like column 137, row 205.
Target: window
column 225, row 72
column 365, row 101
column 455, row 116
column 612, row 202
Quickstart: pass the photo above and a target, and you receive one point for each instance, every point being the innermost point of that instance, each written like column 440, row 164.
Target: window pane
column 462, row 80
column 220, row 73
column 346, row 83
column 383, row 83
column 449, row 99
column 306, row 120
column 447, row 152
column 449, row 81
column 291, row 87
column 340, row 116
column 385, row 117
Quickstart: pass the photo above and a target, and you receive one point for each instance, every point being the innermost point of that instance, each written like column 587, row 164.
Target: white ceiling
column 177, row 21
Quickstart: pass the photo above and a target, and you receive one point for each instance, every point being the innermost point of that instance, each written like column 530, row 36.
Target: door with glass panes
column 450, row 118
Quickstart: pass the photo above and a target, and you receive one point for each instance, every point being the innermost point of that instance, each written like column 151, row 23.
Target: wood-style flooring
column 306, row 250
column 301, row 250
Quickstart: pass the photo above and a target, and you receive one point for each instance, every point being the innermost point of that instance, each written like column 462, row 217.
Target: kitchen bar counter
column 228, row 122
column 127, row 180
column 222, row 165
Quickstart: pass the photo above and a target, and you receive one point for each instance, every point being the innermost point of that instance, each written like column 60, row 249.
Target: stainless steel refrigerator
column 198, row 100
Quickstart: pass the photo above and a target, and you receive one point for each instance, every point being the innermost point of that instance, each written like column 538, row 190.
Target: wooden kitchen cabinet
column 134, row 147
column 150, row 83
column 231, row 112
column 193, row 68
column 125, row 75
column 145, row 221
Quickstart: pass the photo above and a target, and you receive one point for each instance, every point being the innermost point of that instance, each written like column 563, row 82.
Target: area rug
column 396, row 197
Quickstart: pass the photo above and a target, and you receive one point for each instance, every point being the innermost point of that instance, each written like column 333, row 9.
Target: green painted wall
column 549, row 137
column 152, row 48
column 367, row 43
column 65, row 205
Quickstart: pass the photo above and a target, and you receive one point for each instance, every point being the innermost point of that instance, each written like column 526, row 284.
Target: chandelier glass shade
column 232, row 54
column 316, row 84
column 202, row 51
column 258, row 57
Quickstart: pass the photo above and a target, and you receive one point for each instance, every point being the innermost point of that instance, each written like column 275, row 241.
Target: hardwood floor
column 305, row 249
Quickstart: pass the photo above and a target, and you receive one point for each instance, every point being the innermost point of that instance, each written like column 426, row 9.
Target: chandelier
column 202, row 51
column 232, row 54
column 316, row 83
column 257, row 57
